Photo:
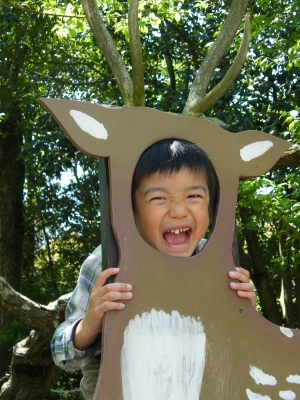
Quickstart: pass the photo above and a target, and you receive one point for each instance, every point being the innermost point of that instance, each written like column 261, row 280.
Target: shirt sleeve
column 64, row 354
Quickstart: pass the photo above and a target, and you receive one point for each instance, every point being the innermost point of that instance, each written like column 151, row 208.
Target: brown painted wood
column 237, row 336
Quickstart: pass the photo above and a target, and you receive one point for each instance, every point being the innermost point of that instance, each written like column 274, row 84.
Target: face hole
column 175, row 192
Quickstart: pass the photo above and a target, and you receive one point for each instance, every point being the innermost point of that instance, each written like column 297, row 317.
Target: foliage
column 15, row 333
column 66, row 388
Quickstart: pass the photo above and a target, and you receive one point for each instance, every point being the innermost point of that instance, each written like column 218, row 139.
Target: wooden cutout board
column 244, row 354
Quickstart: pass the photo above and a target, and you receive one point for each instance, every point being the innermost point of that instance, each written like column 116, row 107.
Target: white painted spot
column 163, row 357
column 287, row 395
column 261, row 378
column 89, row 124
column 256, row 149
column 256, row 396
column 293, row 379
column 286, row 331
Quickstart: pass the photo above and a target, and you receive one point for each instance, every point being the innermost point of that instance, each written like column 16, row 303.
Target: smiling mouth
column 177, row 236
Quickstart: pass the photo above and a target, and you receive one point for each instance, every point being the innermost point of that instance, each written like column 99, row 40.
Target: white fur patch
column 256, row 149
column 287, row 395
column 286, row 331
column 163, row 357
column 256, row 396
column 89, row 124
column 293, row 379
column 261, row 378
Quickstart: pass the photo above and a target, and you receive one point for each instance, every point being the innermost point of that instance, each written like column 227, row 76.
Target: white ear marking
column 261, row 378
column 89, row 124
column 293, row 379
column 287, row 395
column 286, row 331
column 254, row 150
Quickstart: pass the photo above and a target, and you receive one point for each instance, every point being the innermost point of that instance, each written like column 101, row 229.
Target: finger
column 97, row 309
column 102, row 278
column 101, row 291
column 243, row 271
column 117, row 287
column 94, row 319
column 246, row 287
column 111, row 305
column 116, row 296
column 240, row 274
column 251, row 296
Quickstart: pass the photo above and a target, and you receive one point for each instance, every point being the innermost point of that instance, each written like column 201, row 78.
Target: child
column 174, row 196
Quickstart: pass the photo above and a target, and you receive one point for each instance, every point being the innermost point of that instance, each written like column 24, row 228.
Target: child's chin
column 180, row 253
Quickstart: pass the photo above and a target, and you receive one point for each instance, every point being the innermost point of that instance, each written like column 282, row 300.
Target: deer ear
column 258, row 152
column 86, row 124
column 89, row 124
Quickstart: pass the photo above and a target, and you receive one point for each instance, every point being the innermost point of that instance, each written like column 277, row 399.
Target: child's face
column 171, row 211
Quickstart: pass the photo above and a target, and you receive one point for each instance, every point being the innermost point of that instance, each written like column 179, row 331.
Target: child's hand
column 243, row 288
column 103, row 298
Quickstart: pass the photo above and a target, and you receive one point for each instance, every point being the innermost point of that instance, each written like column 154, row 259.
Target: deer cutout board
column 185, row 335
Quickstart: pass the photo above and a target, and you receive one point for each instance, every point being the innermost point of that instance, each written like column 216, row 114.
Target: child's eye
column 158, row 198
column 194, row 196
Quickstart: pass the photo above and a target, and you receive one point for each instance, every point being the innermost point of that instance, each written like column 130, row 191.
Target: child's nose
column 178, row 210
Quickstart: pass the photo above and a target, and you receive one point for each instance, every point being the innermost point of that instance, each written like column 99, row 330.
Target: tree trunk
column 32, row 371
column 259, row 271
column 12, row 175
column 286, row 297
column 297, row 282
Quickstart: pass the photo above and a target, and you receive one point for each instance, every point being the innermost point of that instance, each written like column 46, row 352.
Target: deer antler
column 109, row 50
column 136, row 54
column 198, row 101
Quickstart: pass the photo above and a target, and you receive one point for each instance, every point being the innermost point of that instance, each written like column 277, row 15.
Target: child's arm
column 63, row 348
column 244, row 287
column 103, row 298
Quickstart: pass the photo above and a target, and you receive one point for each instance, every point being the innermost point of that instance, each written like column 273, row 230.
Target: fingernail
column 124, row 305
column 129, row 287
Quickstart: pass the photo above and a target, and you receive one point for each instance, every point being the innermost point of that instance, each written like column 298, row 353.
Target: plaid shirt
column 63, row 351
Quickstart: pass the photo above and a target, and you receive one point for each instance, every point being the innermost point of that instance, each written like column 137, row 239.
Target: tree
column 27, row 54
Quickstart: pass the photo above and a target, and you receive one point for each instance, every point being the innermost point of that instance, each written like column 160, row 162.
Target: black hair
column 170, row 155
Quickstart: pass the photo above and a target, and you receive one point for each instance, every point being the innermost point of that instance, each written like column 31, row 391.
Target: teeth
column 176, row 231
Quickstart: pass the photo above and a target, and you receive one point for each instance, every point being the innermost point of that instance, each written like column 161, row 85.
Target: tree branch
column 109, row 50
column 217, row 92
column 170, row 70
column 37, row 316
column 291, row 158
column 41, row 12
column 32, row 371
column 136, row 55
column 212, row 59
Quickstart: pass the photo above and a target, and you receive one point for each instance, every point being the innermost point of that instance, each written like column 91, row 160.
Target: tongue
column 172, row 238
